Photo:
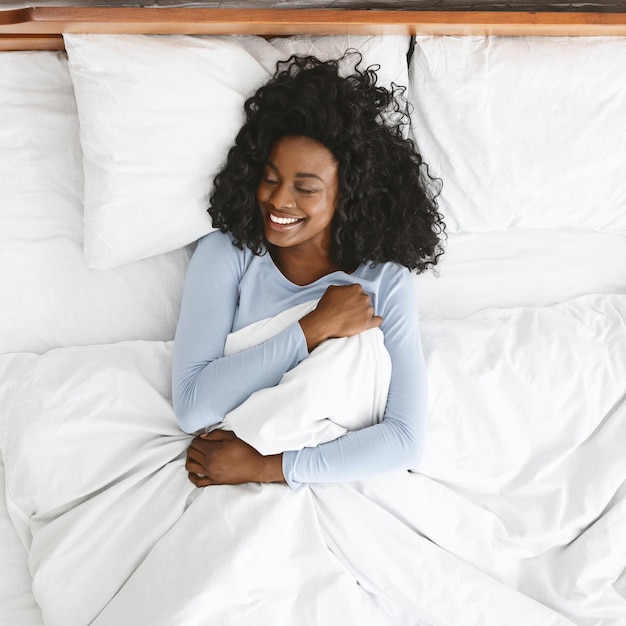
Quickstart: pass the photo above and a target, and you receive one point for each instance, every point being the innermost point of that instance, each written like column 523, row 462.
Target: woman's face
column 297, row 194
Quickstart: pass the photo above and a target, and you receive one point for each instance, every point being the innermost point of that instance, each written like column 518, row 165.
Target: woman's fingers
column 201, row 445
column 200, row 454
column 193, row 466
column 197, row 453
column 350, row 309
column 343, row 311
column 377, row 320
column 200, row 481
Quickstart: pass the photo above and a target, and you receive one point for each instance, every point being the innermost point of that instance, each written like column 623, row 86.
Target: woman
column 321, row 197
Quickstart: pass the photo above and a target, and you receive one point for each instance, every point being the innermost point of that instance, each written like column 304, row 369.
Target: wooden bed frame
column 41, row 28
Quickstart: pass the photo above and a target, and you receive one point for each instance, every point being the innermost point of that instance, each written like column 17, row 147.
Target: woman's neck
column 303, row 268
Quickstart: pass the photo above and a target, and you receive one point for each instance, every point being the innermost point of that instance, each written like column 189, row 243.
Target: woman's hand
column 342, row 311
column 221, row 458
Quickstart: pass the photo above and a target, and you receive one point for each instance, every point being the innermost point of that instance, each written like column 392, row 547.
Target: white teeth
column 283, row 220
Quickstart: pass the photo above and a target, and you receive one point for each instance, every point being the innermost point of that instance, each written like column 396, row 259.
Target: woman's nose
column 282, row 198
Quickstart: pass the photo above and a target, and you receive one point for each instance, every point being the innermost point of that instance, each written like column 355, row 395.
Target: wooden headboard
column 41, row 28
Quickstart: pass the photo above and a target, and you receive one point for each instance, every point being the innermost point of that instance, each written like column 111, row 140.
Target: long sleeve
column 396, row 442
column 205, row 384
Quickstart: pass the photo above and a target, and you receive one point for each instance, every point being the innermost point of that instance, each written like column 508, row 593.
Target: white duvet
column 517, row 514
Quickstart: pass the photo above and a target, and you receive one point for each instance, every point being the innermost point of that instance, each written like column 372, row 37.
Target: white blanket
column 341, row 386
column 517, row 515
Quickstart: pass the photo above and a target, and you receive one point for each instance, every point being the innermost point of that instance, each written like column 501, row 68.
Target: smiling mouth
column 284, row 221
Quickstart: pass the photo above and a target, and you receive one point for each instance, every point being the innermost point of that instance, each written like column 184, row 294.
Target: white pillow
column 390, row 52
column 524, row 131
column 50, row 297
column 158, row 115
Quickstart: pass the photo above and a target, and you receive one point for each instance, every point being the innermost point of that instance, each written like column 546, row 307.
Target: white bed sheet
column 521, row 267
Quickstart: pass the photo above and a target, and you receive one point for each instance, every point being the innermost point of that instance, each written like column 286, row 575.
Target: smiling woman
column 322, row 200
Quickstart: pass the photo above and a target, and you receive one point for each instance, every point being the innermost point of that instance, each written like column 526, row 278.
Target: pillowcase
column 158, row 115
column 524, row 131
column 50, row 297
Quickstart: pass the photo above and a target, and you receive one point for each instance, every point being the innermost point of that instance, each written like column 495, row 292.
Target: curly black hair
column 387, row 208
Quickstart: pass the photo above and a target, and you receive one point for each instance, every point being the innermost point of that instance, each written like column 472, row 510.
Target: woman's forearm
column 204, row 393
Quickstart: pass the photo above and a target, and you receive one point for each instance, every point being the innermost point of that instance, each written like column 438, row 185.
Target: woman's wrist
column 314, row 331
column 272, row 469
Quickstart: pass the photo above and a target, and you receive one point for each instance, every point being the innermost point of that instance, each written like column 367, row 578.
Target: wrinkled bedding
column 515, row 515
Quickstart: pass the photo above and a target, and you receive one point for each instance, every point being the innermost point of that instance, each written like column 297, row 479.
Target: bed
column 517, row 512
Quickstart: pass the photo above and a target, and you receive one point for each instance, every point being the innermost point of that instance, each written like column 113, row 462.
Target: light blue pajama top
column 227, row 289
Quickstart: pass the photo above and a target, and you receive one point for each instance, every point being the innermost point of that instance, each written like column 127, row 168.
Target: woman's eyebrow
column 307, row 175
column 297, row 174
